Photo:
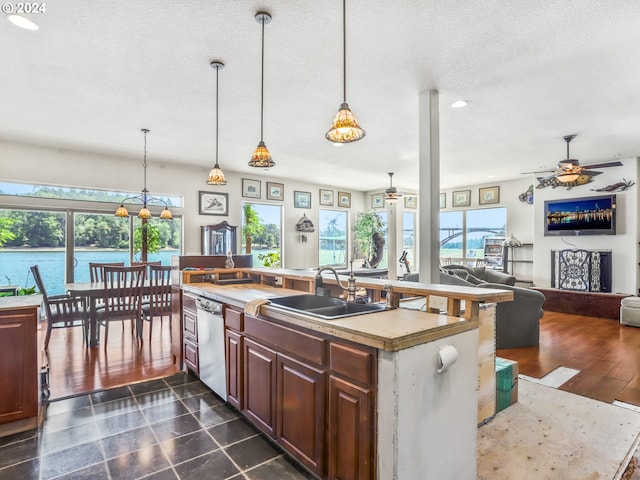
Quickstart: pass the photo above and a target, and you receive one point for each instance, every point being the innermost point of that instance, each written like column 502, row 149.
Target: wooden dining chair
column 96, row 273
column 122, row 297
column 158, row 303
column 62, row 311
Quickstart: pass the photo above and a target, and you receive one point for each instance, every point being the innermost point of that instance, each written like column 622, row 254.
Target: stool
column 630, row 311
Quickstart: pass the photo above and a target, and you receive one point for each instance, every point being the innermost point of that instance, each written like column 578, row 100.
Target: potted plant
column 368, row 234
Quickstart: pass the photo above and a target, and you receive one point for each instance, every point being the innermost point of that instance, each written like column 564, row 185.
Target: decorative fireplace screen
column 581, row 270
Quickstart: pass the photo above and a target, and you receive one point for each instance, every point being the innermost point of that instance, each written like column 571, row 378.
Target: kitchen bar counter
column 389, row 330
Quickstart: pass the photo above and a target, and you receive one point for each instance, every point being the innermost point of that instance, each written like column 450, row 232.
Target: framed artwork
column 275, row 191
column 462, row 198
column 213, row 203
column 489, row 195
column 326, row 197
column 344, row 199
column 443, row 200
column 302, row 199
column 250, row 188
column 377, row 200
column 411, row 201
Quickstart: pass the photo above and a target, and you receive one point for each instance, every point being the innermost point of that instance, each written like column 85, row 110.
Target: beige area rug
column 551, row 434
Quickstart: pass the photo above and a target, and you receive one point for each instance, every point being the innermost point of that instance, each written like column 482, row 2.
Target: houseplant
column 368, row 228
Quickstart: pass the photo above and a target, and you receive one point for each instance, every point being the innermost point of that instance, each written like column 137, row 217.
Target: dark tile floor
column 161, row 429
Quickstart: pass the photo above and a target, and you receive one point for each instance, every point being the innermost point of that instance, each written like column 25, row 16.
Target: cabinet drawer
column 233, row 319
column 190, row 326
column 191, row 358
column 188, row 302
column 287, row 340
column 351, row 362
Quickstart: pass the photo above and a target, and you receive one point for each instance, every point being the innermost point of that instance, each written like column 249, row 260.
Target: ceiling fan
column 391, row 194
column 569, row 170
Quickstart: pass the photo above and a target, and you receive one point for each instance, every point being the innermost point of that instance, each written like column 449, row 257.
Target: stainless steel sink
column 324, row 307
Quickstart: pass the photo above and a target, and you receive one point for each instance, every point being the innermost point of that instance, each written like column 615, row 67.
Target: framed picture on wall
column 443, row 200
column 462, row 198
column 275, row 191
column 302, row 199
column 410, row 201
column 344, row 199
column 213, row 203
column 251, row 188
column 377, row 200
column 326, row 197
column 489, row 195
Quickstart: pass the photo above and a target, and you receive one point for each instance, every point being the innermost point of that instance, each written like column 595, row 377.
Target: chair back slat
column 96, row 272
column 35, row 271
column 123, row 291
column 159, row 290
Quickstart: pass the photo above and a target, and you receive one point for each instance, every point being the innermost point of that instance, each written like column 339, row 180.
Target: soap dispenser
column 228, row 263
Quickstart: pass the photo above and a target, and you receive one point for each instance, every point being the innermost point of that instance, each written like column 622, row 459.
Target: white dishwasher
column 211, row 345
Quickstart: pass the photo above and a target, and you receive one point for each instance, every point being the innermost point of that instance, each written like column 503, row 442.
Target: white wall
column 45, row 165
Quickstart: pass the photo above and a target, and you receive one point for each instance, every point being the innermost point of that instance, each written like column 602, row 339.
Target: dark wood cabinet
column 233, row 353
column 260, row 386
column 218, row 239
column 350, row 431
column 313, row 394
column 190, row 333
column 18, row 369
column 176, row 325
column 301, row 411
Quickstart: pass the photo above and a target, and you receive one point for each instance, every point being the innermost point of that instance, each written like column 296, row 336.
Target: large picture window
column 462, row 234
column 332, row 228
column 262, row 234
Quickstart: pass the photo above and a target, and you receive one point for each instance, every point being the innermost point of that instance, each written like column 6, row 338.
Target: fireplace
column 581, row 270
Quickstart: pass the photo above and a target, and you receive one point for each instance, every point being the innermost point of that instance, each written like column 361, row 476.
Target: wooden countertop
column 21, row 301
column 390, row 330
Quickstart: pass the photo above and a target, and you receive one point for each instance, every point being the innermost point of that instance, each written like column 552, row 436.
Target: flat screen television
column 581, row 216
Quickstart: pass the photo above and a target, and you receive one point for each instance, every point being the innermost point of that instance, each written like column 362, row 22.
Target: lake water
column 14, row 265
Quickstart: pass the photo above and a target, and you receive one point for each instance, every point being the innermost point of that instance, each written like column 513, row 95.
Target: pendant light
column 144, row 197
column 216, row 175
column 391, row 194
column 345, row 127
column 261, row 157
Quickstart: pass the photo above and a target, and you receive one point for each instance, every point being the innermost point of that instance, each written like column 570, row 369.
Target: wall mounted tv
column 581, row 216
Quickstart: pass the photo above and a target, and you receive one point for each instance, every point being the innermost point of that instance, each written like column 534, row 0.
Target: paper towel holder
column 447, row 356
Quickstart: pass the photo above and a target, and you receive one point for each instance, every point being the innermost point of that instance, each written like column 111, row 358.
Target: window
column 409, row 237
column 262, row 224
column 332, row 228
column 462, row 233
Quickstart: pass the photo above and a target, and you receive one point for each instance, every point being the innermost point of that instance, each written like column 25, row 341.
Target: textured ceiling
column 97, row 72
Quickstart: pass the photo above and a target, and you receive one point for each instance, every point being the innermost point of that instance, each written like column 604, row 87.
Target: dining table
column 93, row 292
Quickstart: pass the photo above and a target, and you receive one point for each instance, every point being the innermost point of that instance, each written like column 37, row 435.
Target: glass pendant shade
column 144, row 213
column 345, row 127
column 166, row 214
column 121, row 211
column 261, row 157
column 216, row 176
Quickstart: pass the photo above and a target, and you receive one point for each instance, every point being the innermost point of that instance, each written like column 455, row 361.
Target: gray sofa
column 517, row 322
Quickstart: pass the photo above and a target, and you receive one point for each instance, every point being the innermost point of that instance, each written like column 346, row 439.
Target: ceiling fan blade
column 539, row 171
column 602, row 165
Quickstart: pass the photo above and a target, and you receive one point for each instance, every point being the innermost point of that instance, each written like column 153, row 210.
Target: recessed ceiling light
column 22, row 22
column 459, row 104
column 617, row 155
column 491, row 176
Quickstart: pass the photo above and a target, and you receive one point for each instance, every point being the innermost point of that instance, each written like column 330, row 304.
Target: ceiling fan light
column 261, row 157
column 345, row 128
column 216, row 176
column 568, row 178
column 121, row 211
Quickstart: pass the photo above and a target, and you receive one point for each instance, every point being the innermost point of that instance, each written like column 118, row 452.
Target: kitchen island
column 358, row 397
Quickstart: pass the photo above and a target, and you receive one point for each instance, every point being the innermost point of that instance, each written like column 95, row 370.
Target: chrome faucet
column 351, row 283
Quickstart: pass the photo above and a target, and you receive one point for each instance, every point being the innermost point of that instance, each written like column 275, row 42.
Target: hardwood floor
column 76, row 369
column 606, row 353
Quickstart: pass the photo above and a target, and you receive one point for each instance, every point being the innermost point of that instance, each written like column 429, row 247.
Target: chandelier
column 144, row 197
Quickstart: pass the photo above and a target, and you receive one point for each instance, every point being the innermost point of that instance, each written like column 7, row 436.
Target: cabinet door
column 350, row 431
column 233, row 352
column 301, row 411
column 18, row 365
column 176, row 325
column 260, row 385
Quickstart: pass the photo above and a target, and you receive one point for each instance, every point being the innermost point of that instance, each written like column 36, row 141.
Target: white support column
column 392, row 241
column 429, row 172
